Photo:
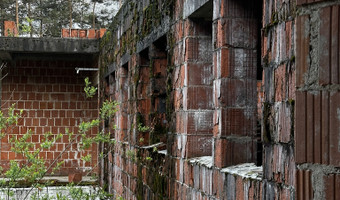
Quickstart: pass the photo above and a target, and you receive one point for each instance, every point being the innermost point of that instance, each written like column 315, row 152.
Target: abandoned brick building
column 40, row 78
column 218, row 99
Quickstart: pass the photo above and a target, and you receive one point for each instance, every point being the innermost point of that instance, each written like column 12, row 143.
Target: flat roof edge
column 49, row 45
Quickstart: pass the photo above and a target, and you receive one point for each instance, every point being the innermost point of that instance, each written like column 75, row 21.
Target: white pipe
column 85, row 69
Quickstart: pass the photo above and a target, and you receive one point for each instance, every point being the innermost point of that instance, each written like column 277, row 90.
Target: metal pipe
column 85, row 69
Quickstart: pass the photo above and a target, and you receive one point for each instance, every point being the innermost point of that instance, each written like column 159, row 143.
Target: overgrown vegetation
column 34, row 168
column 49, row 16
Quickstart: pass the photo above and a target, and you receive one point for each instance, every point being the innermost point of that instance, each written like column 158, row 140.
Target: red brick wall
column 235, row 72
column 82, row 33
column 317, row 99
column 51, row 95
column 10, row 29
column 278, row 59
column 283, row 73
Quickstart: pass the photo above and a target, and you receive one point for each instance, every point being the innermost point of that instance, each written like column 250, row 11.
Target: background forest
column 45, row 18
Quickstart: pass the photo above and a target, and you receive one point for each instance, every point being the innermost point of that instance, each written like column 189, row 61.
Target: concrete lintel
column 49, row 45
column 192, row 6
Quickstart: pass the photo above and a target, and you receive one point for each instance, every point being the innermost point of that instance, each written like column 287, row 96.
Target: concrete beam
column 197, row 8
column 49, row 45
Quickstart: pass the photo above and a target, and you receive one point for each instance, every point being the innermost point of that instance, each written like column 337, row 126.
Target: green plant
column 32, row 171
column 148, row 158
column 90, row 90
column 130, row 154
column 142, row 128
column 27, row 28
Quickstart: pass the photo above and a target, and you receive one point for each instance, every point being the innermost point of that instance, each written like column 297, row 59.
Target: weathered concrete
column 10, row 45
column 47, row 192
column 198, row 7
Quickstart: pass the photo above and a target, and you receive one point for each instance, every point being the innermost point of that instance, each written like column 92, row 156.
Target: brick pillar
column 235, row 66
column 52, row 97
column 10, row 29
column 194, row 113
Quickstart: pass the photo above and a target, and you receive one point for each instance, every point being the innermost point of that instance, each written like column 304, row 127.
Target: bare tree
column 17, row 13
column 71, row 10
column 93, row 13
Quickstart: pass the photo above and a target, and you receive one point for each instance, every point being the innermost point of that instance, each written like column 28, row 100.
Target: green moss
column 275, row 18
column 292, row 59
column 291, row 102
column 104, row 41
column 151, row 76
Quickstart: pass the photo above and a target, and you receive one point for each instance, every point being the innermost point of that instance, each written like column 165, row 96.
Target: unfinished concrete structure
column 208, row 86
column 41, row 79
column 219, row 99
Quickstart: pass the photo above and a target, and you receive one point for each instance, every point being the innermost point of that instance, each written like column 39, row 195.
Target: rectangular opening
column 157, row 116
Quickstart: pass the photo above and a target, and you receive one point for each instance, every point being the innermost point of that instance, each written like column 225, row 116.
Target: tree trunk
column 82, row 15
column 29, row 16
column 93, row 16
column 17, row 13
column 70, row 7
column 41, row 21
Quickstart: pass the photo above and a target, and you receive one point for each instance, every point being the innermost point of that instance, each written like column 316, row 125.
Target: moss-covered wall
column 194, row 79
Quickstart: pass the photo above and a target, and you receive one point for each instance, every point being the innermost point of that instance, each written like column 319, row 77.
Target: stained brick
column 302, row 48
column 198, row 74
column 280, row 83
column 285, row 122
column 232, row 152
column 242, row 9
column 237, row 32
column 197, row 146
column 198, row 49
column 198, row 98
column 324, row 44
column 318, row 123
column 334, row 128
column 236, row 63
column 301, row 129
column 237, row 93
column 330, row 186
column 237, row 121
column 304, row 185
column 38, row 96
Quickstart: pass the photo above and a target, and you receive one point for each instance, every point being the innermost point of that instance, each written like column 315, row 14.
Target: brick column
column 10, row 29
column 194, row 96
column 235, row 67
column 51, row 94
